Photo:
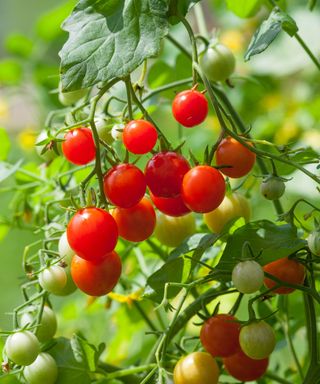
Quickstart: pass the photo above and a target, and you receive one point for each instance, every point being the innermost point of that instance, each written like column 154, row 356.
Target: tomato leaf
column 198, row 243
column 269, row 30
column 6, row 169
column 181, row 7
column 70, row 370
column 110, row 39
column 84, row 352
column 244, row 8
column 274, row 241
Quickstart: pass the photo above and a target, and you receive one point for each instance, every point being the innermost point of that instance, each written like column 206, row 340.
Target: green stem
column 128, row 82
column 307, row 50
column 130, row 371
column 277, row 379
column 179, row 46
column 194, row 47
column 144, row 316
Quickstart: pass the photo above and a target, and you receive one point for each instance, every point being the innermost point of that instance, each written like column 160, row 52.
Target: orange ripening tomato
column 287, row 270
column 136, row 223
column 235, row 155
column 96, row 278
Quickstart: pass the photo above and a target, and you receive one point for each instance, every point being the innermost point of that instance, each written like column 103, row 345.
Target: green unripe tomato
column 272, row 188
column 248, row 276
column 64, row 248
column 104, row 130
column 53, row 279
column 257, row 340
column 171, row 231
column 50, row 154
column 314, row 242
column 218, row 62
column 22, row 347
column 48, row 324
column 70, row 98
column 43, row 371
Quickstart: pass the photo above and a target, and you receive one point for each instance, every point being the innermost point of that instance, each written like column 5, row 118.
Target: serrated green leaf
column 274, row 241
column 269, row 30
column 84, row 352
column 244, row 8
column 70, row 371
column 110, row 39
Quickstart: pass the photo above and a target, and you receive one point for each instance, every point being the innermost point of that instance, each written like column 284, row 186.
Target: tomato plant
column 165, row 231
column 220, row 335
column 190, row 108
column 196, row 368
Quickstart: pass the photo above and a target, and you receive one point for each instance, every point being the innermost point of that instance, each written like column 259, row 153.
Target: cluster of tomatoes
column 244, row 349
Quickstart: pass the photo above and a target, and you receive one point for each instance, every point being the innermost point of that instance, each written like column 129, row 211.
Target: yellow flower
column 27, row 138
column 129, row 299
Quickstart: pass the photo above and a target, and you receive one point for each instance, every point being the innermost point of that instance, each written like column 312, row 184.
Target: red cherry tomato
column 203, row 189
column 92, row 233
column 125, row 185
column 78, row 146
column 136, row 223
column 242, row 368
column 164, row 173
column 190, row 108
column 96, row 278
column 220, row 335
column 139, row 136
column 171, row 206
column 287, row 270
column 240, row 159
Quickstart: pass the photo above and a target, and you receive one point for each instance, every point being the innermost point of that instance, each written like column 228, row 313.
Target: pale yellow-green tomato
column 43, row 370
column 53, row 279
column 48, row 324
column 171, row 231
column 50, row 154
column 104, row 130
column 22, row 347
column 196, row 368
column 67, row 253
column 232, row 207
column 70, row 98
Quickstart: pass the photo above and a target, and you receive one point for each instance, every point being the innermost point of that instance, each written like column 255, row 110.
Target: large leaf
column 269, row 30
column 244, row 8
column 70, row 370
column 181, row 7
column 274, row 241
column 109, row 39
column 84, row 353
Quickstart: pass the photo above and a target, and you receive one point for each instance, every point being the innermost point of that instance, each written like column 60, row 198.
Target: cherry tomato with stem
column 48, row 324
column 219, row 335
column 43, row 370
column 164, row 173
column 92, row 233
column 53, row 279
column 136, row 223
column 287, row 270
column 78, row 146
column 242, row 368
column 203, row 189
column 96, row 278
column 248, row 276
column 196, row 368
column 124, row 185
column 139, row 136
column 239, row 159
column 190, row 108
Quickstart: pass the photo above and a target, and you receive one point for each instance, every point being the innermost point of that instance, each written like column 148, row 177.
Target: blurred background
column 277, row 93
